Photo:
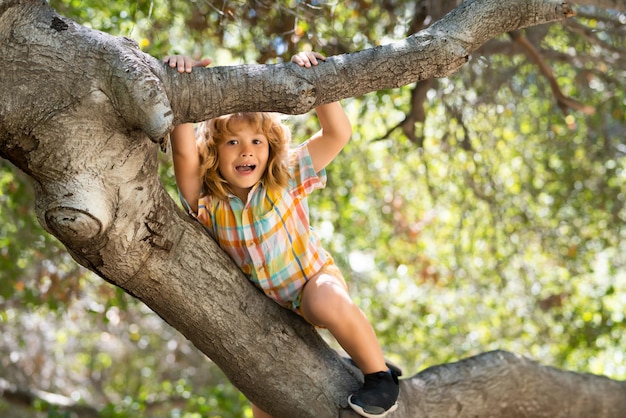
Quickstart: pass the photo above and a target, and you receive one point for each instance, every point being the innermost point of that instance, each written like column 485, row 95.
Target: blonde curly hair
column 213, row 131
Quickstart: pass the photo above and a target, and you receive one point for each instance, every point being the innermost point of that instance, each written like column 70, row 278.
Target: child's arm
column 334, row 135
column 184, row 150
column 186, row 163
column 336, row 128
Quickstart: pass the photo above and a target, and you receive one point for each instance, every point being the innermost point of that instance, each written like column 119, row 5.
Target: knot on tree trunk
column 72, row 224
column 76, row 211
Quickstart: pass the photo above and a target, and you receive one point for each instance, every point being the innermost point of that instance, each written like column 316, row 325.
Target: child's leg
column 258, row 413
column 325, row 302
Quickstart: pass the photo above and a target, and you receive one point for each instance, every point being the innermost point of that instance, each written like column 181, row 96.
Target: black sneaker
column 378, row 396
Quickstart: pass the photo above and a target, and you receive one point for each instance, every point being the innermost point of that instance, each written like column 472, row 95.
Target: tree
column 98, row 192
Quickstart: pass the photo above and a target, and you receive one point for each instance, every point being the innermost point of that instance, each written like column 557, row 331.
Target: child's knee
column 324, row 290
column 325, row 301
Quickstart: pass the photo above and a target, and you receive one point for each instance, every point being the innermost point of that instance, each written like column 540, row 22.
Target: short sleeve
column 305, row 179
column 186, row 205
column 203, row 214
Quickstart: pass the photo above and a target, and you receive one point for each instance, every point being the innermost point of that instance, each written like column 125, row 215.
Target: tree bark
column 81, row 114
column 500, row 384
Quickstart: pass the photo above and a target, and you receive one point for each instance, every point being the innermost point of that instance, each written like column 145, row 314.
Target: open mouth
column 246, row 168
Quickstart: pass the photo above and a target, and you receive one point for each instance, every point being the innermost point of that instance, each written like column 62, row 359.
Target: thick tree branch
column 437, row 51
column 500, row 384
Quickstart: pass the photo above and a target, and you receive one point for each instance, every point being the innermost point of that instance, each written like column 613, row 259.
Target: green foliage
column 34, row 267
column 109, row 350
column 505, row 231
column 503, row 227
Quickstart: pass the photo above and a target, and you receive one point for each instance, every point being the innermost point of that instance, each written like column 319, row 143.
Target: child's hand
column 184, row 63
column 307, row 59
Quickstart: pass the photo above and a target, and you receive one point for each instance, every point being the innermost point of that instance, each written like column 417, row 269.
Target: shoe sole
column 362, row 412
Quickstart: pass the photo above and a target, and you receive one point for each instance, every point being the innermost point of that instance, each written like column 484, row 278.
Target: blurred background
column 477, row 212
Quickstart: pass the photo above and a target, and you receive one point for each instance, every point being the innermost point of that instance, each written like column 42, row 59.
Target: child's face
column 242, row 158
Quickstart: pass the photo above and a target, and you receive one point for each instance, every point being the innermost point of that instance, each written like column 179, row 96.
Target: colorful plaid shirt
column 269, row 237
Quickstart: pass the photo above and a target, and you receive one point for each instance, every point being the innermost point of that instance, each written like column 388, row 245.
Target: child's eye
column 257, row 141
column 232, row 142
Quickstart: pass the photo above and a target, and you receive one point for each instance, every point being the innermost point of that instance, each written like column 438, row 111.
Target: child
column 250, row 191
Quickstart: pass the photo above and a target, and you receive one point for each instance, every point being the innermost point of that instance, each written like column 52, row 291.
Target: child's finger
column 203, row 62
column 298, row 60
column 187, row 65
column 319, row 56
column 313, row 57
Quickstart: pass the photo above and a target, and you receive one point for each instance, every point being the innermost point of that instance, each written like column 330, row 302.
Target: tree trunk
column 81, row 114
